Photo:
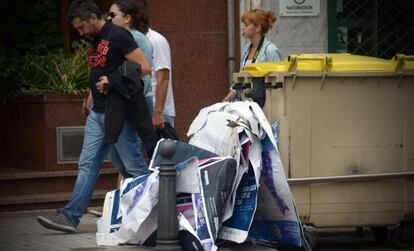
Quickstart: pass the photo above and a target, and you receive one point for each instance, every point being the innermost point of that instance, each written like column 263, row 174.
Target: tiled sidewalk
column 22, row 232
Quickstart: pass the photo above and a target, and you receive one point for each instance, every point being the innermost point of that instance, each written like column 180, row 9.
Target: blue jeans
column 169, row 119
column 150, row 104
column 130, row 145
column 93, row 153
column 127, row 154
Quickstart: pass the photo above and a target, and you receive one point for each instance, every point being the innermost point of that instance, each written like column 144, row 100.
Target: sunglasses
column 112, row 14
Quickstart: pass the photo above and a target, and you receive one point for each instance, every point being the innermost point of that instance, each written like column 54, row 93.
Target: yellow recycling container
column 346, row 135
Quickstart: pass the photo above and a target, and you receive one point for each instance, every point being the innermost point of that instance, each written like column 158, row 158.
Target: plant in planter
column 49, row 95
column 60, row 72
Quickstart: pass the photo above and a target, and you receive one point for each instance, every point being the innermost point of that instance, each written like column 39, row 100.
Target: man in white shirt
column 164, row 108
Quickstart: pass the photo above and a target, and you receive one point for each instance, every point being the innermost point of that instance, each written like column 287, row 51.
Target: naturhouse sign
column 299, row 7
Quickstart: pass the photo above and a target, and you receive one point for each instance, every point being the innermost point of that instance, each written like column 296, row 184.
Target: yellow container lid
column 355, row 63
column 262, row 69
column 409, row 65
column 335, row 62
column 308, row 62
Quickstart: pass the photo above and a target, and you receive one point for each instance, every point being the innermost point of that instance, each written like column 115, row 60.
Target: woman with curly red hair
column 257, row 23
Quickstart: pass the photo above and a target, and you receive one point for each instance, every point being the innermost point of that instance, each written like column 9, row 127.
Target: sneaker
column 58, row 222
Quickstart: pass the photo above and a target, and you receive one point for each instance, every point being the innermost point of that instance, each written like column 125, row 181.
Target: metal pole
column 167, row 233
column 230, row 40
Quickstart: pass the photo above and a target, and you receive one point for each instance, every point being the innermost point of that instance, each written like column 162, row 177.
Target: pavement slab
column 23, row 232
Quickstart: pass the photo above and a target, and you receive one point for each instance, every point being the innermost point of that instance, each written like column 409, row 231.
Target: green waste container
column 346, row 134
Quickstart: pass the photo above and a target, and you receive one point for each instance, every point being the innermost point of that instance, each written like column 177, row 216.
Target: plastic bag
column 168, row 132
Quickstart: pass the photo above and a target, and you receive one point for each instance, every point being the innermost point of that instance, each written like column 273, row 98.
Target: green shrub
column 56, row 72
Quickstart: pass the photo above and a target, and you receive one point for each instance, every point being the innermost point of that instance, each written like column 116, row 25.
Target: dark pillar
column 167, row 233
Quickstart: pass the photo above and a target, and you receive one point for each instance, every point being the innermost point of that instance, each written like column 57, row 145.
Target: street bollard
column 167, row 233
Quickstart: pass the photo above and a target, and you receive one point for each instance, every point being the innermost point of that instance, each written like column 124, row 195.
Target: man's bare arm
column 163, row 77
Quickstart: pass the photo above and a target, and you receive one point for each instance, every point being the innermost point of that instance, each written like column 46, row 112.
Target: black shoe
column 58, row 222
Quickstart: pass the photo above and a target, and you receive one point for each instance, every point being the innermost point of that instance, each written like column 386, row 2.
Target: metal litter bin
column 346, row 136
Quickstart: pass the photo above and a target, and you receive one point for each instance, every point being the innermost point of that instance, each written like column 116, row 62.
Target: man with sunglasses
column 110, row 47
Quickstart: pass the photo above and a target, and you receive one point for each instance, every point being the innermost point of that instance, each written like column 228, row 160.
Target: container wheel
column 380, row 234
column 310, row 238
column 402, row 237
